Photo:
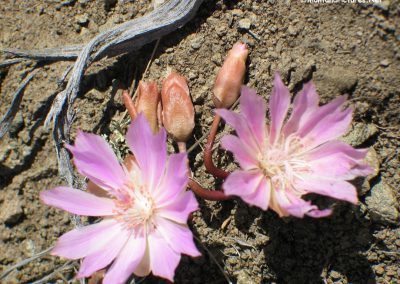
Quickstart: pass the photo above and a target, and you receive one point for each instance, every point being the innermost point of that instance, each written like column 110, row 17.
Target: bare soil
column 343, row 48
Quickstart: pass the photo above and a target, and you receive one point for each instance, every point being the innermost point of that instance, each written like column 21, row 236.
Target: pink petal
column 83, row 241
column 243, row 155
column 149, row 150
column 174, row 180
column 127, row 261
column 304, row 104
column 336, row 147
column 320, row 114
column 78, row 202
column 163, row 259
column 261, row 196
column 330, row 127
column 241, row 126
column 101, row 258
column 298, row 207
column 179, row 237
column 278, row 107
column 338, row 160
column 180, row 208
column 94, row 158
column 251, row 186
column 254, row 108
column 334, row 188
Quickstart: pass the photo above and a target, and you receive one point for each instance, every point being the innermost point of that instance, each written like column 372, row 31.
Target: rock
column 217, row 58
column 196, row 43
column 82, row 19
column 244, row 24
column 11, row 209
column 237, row 12
column 382, row 204
column 292, row 30
column 360, row 133
column 337, row 78
column 385, row 63
column 372, row 159
column 379, row 270
column 335, row 275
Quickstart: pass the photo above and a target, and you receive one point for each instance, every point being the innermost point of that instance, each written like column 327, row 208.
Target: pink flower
column 145, row 210
column 284, row 161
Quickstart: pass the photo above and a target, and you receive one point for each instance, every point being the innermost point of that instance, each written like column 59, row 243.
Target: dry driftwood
column 121, row 39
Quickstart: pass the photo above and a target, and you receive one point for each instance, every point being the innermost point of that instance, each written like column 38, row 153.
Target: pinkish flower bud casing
column 147, row 102
column 178, row 110
column 230, row 77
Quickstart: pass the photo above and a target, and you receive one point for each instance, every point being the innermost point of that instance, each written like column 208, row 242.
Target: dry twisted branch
column 121, row 39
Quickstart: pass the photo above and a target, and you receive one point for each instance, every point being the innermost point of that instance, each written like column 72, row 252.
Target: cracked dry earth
column 343, row 48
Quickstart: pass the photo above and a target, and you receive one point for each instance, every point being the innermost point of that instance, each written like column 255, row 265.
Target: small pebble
column 379, row 270
column 82, row 19
column 385, row 63
column 244, row 24
column 292, row 30
column 217, row 58
column 335, row 275
column 237, row 12
column 196, row 43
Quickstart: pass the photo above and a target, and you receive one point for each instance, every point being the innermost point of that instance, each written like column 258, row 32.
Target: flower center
column 135, row 204
column 137, row 208
column 282, row 162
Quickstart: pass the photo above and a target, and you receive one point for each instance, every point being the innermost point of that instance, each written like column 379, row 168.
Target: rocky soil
column 343, row 48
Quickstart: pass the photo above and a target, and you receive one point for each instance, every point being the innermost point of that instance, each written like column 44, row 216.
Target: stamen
column 281, row 162
column 136, row 207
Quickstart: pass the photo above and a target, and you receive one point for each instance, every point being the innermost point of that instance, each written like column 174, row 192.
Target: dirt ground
column 343, row 47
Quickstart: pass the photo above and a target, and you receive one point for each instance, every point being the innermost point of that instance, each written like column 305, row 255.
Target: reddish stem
column 182, row 147
column 130, row 107
column 214, row 195
column 208, row 162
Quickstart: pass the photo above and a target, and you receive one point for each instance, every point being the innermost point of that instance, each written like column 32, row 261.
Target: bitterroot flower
column 284, row 161
column 144, row 212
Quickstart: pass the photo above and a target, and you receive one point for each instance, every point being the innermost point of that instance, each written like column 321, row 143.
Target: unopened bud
column 147, row 102
column 178, row 110
column 230, row 76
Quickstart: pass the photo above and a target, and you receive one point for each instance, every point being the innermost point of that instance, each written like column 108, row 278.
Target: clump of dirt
column 343, row 48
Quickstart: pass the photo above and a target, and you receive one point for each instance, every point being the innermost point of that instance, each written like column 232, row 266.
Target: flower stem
column 181, row 147
column 208, row 162
column 214, row 195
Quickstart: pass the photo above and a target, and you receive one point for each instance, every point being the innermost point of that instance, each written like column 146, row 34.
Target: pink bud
column 178, row 110
column 230, row 76
column 147, row 102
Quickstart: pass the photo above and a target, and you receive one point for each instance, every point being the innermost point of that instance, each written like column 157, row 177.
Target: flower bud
column 230, row 77
column 178, row 110
column 147, row 102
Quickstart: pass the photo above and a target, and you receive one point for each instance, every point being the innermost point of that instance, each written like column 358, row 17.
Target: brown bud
column 230, row 76
column 147, row 102
column 178, row 110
